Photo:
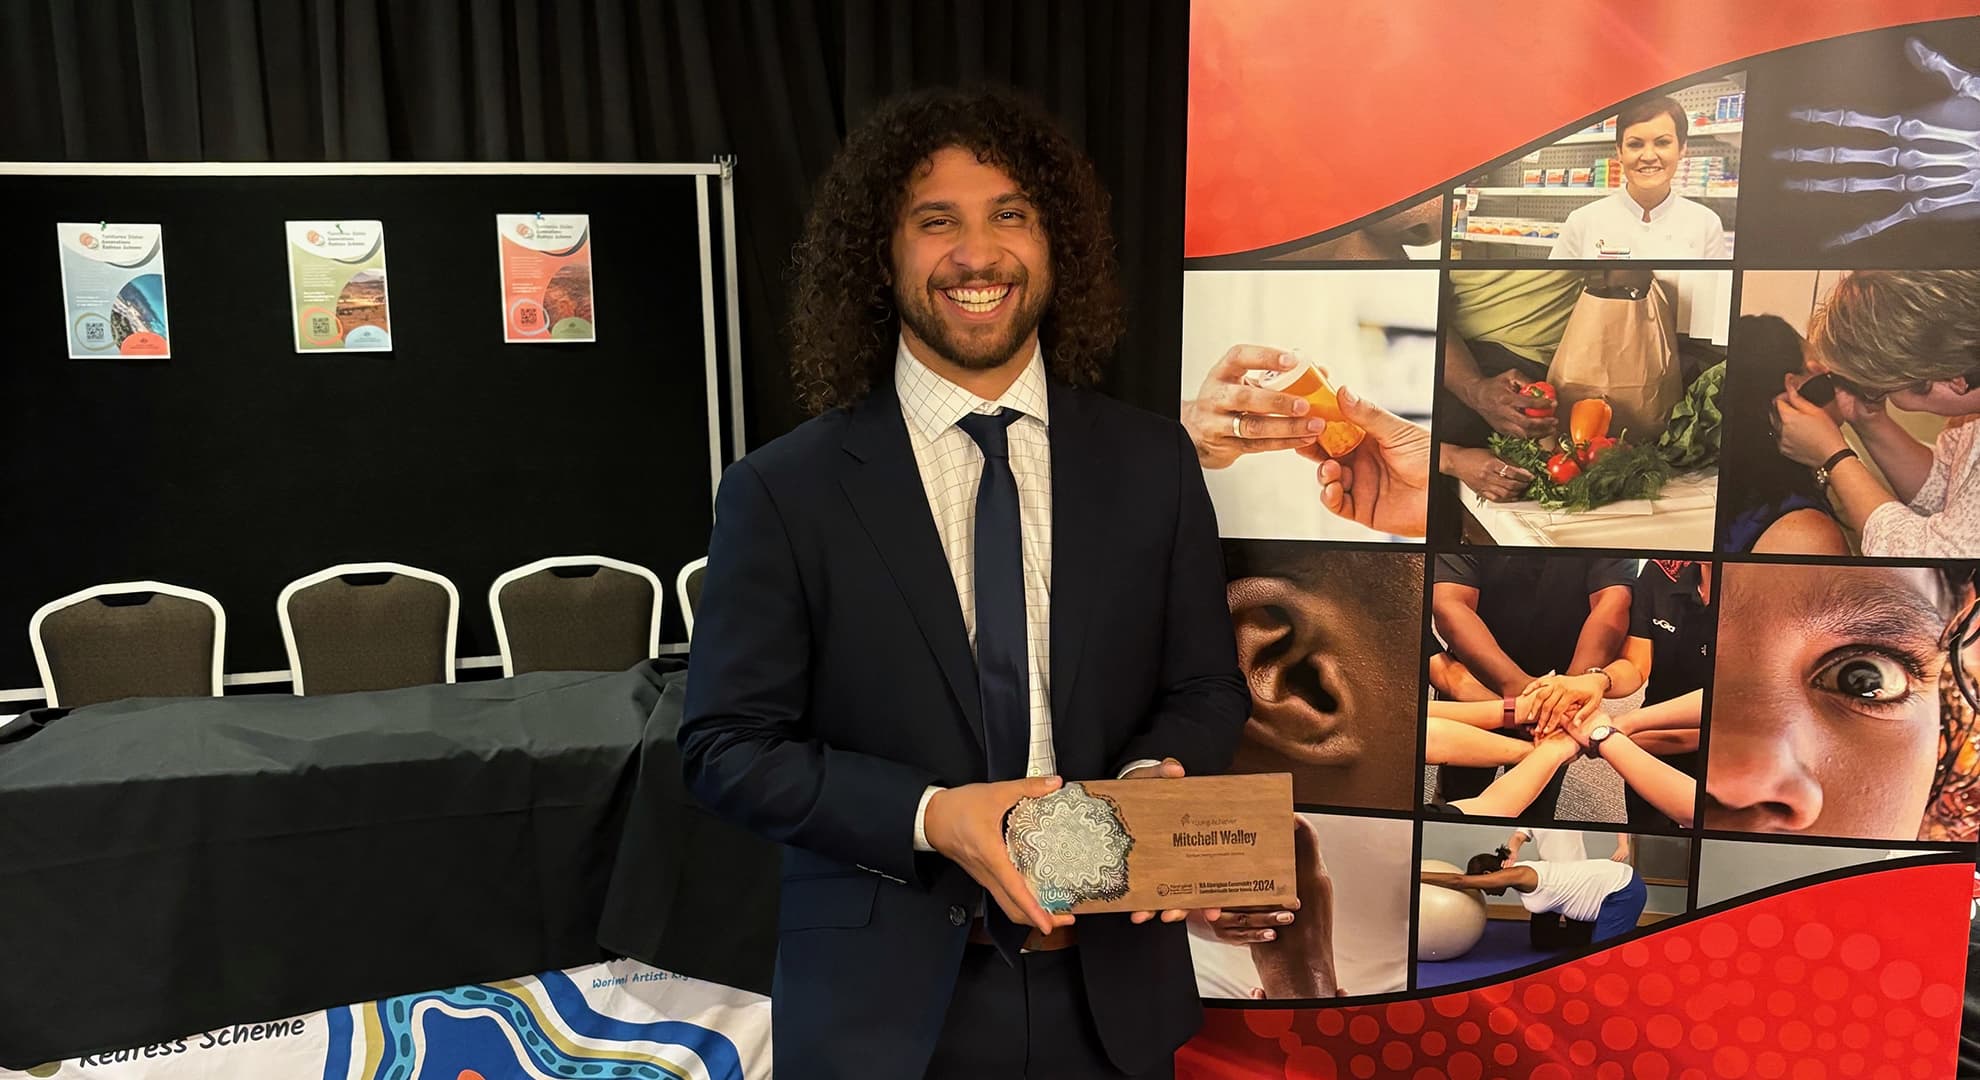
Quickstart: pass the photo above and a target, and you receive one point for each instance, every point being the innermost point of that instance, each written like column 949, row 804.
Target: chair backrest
column 576, row 613
column 369, row 626
column 689, row 586
column 129, row 639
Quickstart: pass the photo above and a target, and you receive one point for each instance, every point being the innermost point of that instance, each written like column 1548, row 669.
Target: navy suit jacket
column 831, row 681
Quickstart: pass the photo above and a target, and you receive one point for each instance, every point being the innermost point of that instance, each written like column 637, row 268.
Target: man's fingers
column 1238, row 397
column 1254, row 919
column 1247, row 937
column 1034, row 787
column 1239, row 359
column 1253, row 446
column 1175, row 915
column 1015, row 897
column 1330, row 470
column 1253, row 426
column 1334, row 499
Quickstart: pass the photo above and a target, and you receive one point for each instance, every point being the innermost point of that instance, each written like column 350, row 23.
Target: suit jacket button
column 957, row 916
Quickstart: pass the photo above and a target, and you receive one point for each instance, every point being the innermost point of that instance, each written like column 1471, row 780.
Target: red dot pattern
column 1815, row 984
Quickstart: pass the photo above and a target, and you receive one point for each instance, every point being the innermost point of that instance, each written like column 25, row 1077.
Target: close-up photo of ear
column 1327, row 641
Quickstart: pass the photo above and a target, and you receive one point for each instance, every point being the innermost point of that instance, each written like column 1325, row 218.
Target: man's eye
column 1866, row 677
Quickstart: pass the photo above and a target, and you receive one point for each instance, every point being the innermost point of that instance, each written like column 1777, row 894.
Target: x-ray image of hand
column 1931, row 154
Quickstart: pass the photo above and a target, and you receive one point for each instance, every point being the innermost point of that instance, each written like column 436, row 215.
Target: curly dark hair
column 843, row 322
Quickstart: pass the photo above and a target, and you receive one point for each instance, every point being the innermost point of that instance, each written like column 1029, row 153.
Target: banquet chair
column 689, row 586
column 369, row 626
column 576, row 613
column 129, row 639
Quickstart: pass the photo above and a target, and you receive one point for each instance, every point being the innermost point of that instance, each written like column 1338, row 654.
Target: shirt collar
column 1656, row 212
column 933, row 404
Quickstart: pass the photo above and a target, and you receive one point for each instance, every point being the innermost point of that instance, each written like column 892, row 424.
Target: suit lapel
column 886, row 493
column 1080, row 465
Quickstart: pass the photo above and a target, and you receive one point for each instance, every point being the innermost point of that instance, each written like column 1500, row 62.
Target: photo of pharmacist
column 1645, row 219
column 1840, row 709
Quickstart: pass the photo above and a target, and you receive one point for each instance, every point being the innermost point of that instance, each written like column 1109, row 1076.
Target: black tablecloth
column 169, row 866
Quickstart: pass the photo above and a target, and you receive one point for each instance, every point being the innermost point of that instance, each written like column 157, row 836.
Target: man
column 1505, row 325
column 1509, row 619
column 962, row 582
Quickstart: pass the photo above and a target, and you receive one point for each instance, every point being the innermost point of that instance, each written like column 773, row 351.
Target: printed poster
column 546, row 277
column 113, row 288
column 615, row 1019
column 337, row 286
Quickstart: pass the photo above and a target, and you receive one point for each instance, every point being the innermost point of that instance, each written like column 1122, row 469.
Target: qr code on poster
column 94, row 333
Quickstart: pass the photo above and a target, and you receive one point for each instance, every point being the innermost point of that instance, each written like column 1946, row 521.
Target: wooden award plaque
column 1148, row 845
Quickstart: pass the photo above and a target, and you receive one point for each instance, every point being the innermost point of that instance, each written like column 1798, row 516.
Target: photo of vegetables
column 1579, row 408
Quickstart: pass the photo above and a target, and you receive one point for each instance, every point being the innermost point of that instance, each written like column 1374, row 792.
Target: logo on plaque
column 1072, row 846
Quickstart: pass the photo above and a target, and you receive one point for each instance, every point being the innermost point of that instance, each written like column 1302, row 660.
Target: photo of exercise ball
column 1448, row 921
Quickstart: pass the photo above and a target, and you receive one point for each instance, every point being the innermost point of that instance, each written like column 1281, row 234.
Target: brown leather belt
column 1062, row 938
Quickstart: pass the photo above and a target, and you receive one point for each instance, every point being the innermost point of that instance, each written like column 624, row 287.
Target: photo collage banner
column 1586, row 394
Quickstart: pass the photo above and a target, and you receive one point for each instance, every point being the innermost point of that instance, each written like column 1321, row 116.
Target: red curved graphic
column 1826, row 981
column 1304, row 116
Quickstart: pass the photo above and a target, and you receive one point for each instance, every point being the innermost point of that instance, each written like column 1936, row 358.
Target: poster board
column 238, row 464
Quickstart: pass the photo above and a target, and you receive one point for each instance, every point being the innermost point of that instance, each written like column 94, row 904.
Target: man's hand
column 1169, row 769
column 1227, row 418
column 1385, row 482
column 1299, row 961
column 1483, row 472
column 1808, row 436
column 1552, row 701
column 966, row 824
column 1499, row 401
column 1242, row 926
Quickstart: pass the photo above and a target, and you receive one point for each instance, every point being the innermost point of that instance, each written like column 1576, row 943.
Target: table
column 170, row 866
column 1681, row 518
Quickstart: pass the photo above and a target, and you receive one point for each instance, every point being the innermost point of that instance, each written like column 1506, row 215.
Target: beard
column 972, row 347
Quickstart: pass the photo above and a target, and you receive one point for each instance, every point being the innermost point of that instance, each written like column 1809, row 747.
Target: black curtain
column 774, row 82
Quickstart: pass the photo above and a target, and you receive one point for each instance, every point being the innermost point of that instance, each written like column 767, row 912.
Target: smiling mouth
column 979, row 299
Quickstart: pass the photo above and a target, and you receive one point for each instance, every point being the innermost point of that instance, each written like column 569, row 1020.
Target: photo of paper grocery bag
column 1625, row 351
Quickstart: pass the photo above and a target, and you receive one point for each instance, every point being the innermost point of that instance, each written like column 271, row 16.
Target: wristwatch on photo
column 1596, row 736
column 1822, row 472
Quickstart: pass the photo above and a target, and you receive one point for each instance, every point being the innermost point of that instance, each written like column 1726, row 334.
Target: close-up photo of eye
column 1867, row 677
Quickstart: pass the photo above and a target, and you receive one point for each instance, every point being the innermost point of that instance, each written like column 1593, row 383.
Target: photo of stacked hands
column 1583, row 595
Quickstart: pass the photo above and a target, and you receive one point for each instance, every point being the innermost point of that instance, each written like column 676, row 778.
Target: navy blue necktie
column 1002, row 668
column 1003, row 674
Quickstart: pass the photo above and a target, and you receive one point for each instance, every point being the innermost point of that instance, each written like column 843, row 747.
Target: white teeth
column 978, row 300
